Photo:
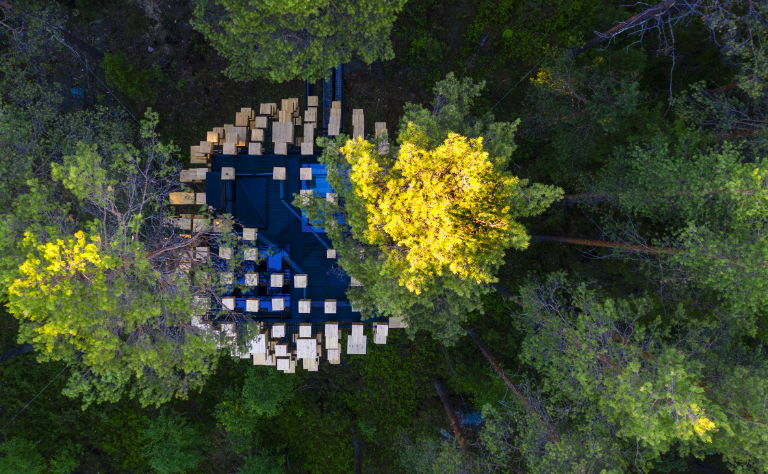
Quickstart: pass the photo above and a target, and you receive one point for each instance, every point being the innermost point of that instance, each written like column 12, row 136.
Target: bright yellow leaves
column 438, row 210
column 54, row 265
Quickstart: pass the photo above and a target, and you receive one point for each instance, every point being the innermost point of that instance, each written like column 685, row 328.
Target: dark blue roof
column 291, row 245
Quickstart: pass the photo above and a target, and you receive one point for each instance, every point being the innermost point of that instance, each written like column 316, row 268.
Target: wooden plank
column 229, row 148
column 334, row 126
column 227, row 173
column 212, row 137
column 248, row 112
column 300, row 281
column 254, row 148
column 227, row 278
column 242, row 135
column 195, row 157
column 305, row 306
column 336, row 104
column 336, row 113
column 306, row 348
column 334, row 356
column 225, row 253
column 252, row 279
column 221, row 131
column 312, row 101
column 182, row 198
column 181, row 223
column 278, row 173
column 310, row 115
column 267, row 109
column 294, row 104
column 309, row 133
column 278, row 304
column 278, row 330
column 331, row 197
column 305, row 174
column 206, row 148
column 282, row 132
column 331, row 329
column 330, row 306
column 307, row 148
column 200, row 199
column 358, row 132
column 330, row 253
column 260, row 122
column 188, row 176
column 251, row 254
column 297, row 121
column 241, row 119
column 249, row 233
column 276, row 280
column 228, row 302
column 257, row 135
column 281, row 148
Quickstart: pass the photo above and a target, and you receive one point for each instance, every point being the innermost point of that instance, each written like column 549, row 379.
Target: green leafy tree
column 428, row 222
column 624, row 387
column 263, row 395
column 19, row 456
column 283, row 39
column 172, row 445
column 263, row 464
column 114, row 299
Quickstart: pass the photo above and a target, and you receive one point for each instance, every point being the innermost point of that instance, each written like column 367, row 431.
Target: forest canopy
column 568, row 210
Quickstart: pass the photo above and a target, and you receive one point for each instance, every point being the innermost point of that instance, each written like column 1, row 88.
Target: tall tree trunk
column 441, row 390
column 551, row 433
column 635, row 20
column 16, row 351
column 603, row 243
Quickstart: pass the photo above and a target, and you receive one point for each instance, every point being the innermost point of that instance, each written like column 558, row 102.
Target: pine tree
column 427, row 224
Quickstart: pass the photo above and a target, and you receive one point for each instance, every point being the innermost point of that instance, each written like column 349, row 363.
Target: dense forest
column 569, row 215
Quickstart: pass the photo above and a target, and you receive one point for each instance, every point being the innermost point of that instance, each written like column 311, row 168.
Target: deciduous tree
column 283, row 39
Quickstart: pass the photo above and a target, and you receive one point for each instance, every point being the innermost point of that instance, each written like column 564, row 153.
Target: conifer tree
column 427, row 223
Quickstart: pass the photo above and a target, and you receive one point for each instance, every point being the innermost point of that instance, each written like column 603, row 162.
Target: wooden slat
column 181, row 223
column 230, row 148
column 254, row 148
column 267, row 109
column 257, row 135
column 305, row 174
column 200, row 198
column 195, row 157
column 336, row 104
column 281, row 148
column 188, row 176
column 358, row 132
column 330, row 306
column 227, row 173
column 335, row 113
column 241, row 119
column 182, row 198
column 278, row 173
column 310, row 115
column 212, row 137
column 334, row 126
column 282, row 132
column 260, row 122
column 307, row 148
column 312, row 101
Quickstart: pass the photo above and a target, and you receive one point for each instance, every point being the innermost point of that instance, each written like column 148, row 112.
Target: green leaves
column 284, row 40
column 173, row 446
column 430, row 221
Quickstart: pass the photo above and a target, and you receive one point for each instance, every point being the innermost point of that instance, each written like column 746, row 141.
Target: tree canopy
column 425, row 225
column 283, row 40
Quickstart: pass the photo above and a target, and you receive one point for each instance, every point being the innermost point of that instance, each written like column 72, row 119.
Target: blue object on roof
column 251, row 202
column 213, row 190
